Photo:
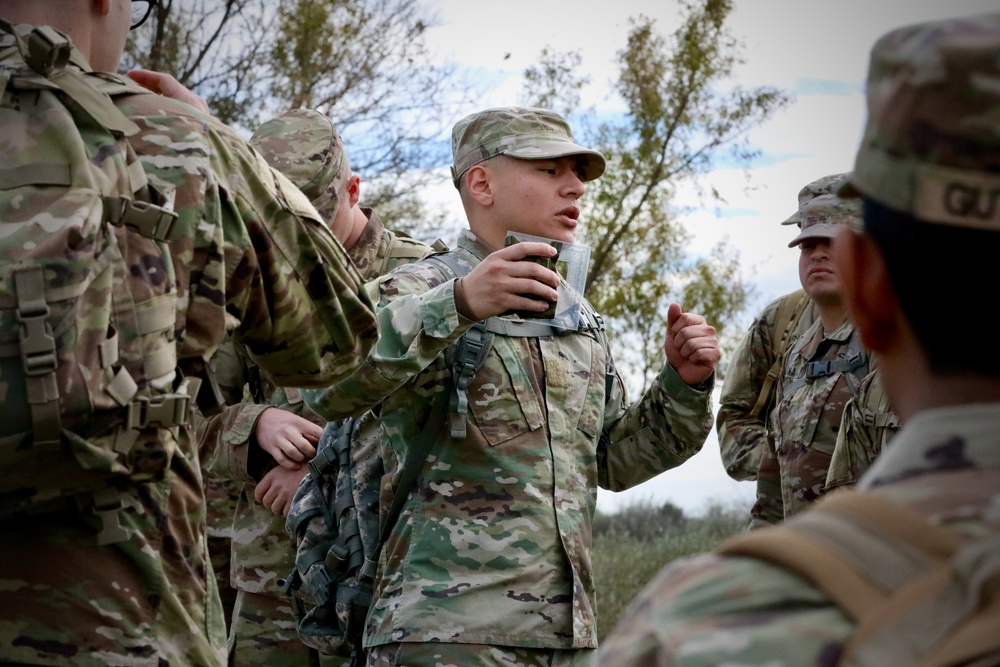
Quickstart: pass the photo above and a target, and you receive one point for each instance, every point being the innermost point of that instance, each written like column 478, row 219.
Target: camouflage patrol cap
column 822, row 217
column 823, row 185
column 931, row 146
column 525, row 133
column 304, row 145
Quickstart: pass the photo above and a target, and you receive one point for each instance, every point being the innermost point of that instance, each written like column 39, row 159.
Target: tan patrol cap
column 304, row 145
column 931, row 146
column 824, row 185
column 525, row 133
column 823, row 216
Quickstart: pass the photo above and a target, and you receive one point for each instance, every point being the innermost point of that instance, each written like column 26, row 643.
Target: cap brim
column 793, row 219
column 593, row 162
column 820, row 231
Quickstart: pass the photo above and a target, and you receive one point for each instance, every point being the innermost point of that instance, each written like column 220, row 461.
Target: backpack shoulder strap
column 917, row 591
column 787, row 317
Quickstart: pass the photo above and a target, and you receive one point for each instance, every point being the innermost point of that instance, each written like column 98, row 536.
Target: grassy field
column 632, row 545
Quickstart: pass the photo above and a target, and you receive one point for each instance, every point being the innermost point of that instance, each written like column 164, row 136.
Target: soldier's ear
column 101, row 7
column 354, row 190
column 868, row 293
column 479, row 184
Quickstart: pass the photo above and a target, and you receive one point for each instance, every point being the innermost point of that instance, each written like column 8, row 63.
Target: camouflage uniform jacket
column 741, row 434
column 248, row 246
column 262, row 551
column 805, row 422
column 866, row 428
column 714, row 610
column 493, row 545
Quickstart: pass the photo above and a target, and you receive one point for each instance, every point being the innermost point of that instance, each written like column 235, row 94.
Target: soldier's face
column 817, row 272
column 538, row 197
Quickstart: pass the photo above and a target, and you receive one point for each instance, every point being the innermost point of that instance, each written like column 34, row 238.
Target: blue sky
column 816, row 50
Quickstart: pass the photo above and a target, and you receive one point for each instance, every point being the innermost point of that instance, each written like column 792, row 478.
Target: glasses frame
column 150, row 4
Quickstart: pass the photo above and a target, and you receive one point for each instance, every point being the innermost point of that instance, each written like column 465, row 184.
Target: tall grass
column 633, row 544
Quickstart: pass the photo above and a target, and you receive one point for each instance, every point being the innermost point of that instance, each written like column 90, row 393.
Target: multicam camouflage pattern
column 930, row 143
column 867, row 426
column 822, row 217
column 264, row 634
column 715, row 610
column 475, row 655
column 246, row 245
column 304, row 145
column 805, row 422
column 526, row 133
column 742, row 434
column 262, row 553
column 824, row 185
column 493, row 545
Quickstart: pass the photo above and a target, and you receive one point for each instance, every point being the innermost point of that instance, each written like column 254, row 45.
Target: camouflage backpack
column 335, row 524
column 920, row 594
column 87, row 357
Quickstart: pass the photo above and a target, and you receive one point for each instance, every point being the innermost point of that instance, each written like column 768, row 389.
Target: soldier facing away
column 489, row 563
column 913, row 552
column 304, row 145
column 246, row 247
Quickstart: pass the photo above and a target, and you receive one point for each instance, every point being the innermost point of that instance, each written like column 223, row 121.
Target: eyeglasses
column 141, row 9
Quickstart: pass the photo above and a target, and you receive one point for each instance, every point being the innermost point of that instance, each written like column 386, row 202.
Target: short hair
column 933, row 265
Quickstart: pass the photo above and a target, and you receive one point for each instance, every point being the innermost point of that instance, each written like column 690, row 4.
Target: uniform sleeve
column 227, row 438
column 741, row 434
column 709, row 611
column 247, row 247
column 666, row 427
column 769, row 508
column 417, row 320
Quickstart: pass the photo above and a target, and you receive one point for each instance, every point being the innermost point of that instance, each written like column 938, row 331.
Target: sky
column 818, row 51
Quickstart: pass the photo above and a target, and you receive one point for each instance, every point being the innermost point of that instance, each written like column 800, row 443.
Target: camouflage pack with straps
column 920, row 594
column 87, row 353
column 334, row 519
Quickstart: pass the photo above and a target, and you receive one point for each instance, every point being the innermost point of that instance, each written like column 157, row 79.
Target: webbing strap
column 38, row 173
column 787, row 317
column 469, row 354
column 38, row 354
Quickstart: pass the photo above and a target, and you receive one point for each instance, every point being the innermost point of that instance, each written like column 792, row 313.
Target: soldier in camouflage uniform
column 867, row 426
column 929, row 173
column 305, row 146
column 748, row 390
column 246, row 247
column 821, row 372
column 489, row 563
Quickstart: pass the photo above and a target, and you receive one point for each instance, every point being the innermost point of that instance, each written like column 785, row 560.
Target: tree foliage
column 364, row 63
column 682, row 113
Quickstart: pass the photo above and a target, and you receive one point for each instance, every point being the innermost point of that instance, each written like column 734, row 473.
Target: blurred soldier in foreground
column 489, row 563
column 756, row 365
column 902, row 571
column 820, row 373
column 120, row 575
column 304, row 145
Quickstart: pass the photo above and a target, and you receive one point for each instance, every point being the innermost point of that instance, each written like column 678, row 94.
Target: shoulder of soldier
column 415, row 277
column 695, row 600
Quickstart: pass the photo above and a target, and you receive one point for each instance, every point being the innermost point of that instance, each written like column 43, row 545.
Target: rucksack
column 921, row 594
column 87, row 356
column 334, row 518
column 786, row 318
